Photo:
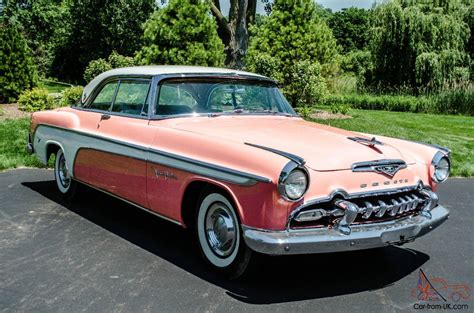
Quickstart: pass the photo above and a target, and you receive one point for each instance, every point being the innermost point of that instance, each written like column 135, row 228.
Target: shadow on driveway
column 275, row 280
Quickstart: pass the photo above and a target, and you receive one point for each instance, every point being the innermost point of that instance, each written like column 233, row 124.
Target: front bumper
column 29, row 146
column 363, row 236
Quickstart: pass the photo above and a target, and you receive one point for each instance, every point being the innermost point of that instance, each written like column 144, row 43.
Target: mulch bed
column 10, row 111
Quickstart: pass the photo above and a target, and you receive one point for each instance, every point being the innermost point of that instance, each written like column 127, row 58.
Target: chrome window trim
column 246, row 179
column 159, row 79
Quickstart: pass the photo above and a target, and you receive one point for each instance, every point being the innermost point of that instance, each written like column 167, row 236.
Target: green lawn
column 13, row 136
column 53, row 87
column 455, row 132
column 452, row 131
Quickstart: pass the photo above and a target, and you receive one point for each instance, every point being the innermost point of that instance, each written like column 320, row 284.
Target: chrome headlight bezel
column 290, row 169
column 440, row 162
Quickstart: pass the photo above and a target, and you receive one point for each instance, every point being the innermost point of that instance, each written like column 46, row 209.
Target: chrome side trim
column 298, row 160
column 132, row 203
column 323, row 240
column 204, row 169
column 75, row 140
column 444, row 149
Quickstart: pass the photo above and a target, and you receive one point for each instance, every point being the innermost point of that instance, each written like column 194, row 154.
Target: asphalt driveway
column 99, row 254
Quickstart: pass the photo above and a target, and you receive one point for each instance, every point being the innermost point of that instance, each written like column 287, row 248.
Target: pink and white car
column 222, row 152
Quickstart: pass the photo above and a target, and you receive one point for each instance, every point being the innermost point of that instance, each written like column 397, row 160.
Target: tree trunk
column 234, row 31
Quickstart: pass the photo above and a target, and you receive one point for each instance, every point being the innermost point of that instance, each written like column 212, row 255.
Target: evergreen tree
column 350, row 27
column 293, row 33
column 97, row 29
column 17, row 70
column 45, row 25
column 182, row 32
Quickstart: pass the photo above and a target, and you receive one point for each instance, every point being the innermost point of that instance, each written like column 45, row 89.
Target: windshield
column 219, row 97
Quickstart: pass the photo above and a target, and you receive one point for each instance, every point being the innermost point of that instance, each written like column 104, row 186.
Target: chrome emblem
column 389, row 170
column 386, row 167
column 165, row 174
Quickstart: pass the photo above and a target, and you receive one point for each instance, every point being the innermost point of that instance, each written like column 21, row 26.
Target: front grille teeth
column 342, row 213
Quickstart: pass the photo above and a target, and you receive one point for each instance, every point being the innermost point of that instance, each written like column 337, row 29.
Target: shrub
column 95, row 68
column 182, row 32
column 117, row 60
column 400, row 103
column 34, row 100
column 305, row 86
column 456, row 101
column 70, row 96
column 266, row 65
column 340, row 108
column 17, row 70
column 305, row 111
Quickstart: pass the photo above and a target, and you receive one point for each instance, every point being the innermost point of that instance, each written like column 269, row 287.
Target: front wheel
column 220, row 236
column 66, row 185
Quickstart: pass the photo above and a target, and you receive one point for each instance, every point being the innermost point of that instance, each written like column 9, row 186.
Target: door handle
column 104, row 117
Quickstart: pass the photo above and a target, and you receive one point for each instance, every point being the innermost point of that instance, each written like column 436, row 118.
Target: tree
column 293, row 32
column 350, row 27
column 44, row 24
column 419, row 45
column 182, row 32
column 234, row 30
column 97, row 29
column 17, row 70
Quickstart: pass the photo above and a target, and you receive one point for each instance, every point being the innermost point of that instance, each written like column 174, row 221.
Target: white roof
column 158, row 70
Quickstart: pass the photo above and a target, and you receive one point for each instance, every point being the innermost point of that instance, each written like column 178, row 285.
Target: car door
column 117, row 162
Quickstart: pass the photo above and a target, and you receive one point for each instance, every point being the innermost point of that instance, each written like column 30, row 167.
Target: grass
column 452, row 131
column 455, row 132
column 53, row 87
column 13, row 139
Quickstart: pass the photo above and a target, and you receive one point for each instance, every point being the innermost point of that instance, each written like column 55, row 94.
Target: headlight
column 293, row 184
column 442, row 167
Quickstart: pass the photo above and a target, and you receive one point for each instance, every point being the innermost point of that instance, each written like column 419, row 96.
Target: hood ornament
column 366, row 141
column 386, row 167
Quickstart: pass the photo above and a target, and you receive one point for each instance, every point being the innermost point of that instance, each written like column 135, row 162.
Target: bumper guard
column 362, row 236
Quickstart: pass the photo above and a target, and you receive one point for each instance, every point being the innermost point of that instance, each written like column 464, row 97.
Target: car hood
column 324, row 148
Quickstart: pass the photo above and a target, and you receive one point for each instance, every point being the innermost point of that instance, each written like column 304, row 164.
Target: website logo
column 437, row 293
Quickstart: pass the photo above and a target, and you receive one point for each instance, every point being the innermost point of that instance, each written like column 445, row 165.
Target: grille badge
column 386, row 167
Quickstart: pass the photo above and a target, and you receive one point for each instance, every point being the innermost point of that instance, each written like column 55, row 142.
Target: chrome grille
column 340, row 213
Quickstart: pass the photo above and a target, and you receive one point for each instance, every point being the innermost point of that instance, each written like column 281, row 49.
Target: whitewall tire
column 220, row 236
column 66, row 185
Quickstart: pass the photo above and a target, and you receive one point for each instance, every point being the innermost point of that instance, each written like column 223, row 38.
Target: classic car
column 221, row 152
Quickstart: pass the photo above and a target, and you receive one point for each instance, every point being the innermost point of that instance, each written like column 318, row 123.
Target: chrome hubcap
column 220, row 229
column 63, row 172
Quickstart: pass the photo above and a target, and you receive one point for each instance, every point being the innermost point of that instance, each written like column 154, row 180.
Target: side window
column 174, row 100
column 104, row 98
column 132, row 97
